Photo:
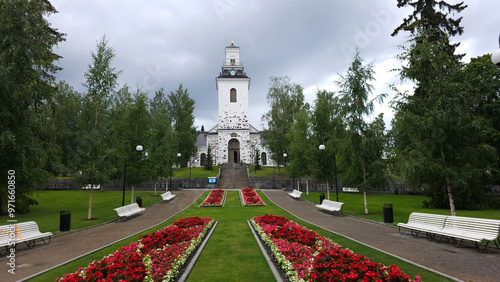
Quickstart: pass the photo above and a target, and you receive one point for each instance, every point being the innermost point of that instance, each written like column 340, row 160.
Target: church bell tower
column 232, row 86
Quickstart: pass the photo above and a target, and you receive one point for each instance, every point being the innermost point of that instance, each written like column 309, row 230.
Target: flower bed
column 215, row 199
column 250, row 198
column 158, row 256
column 305, row 256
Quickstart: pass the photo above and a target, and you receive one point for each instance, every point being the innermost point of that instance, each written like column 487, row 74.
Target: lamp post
column 138, row 148
column 284, row 157
column 171, row 172
column 322, row 148
column 495, row 57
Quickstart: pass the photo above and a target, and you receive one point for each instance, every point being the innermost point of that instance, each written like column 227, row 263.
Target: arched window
column 264, row 158
column 233, row 95
column 203, row 159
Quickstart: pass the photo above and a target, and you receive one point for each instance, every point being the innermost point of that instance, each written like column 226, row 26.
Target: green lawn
column 267, row 171
column 196, row 172
column 402, row 205
column 47, row 212
column 232, row 253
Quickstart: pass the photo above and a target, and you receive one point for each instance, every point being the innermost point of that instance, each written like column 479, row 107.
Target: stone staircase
column 233, row 176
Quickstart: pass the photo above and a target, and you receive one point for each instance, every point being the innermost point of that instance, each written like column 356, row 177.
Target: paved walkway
column 73, row 244
column 462, row 263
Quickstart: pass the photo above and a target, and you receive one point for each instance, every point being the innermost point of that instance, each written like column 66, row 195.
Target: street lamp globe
column 179, row 155
column 139, row 148
column 495, row 57
column 322, row 147
column 285, row 155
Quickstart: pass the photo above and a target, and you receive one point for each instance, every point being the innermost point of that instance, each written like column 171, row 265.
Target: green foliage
column 257, row 165
column 209, row 163
column 363, row 149
column 101, row 80
column 285, row 100
column 180, row 107
column 301, row 147
column 431, row 15
column 436, row 132
column 162, row 141
column 329, row 130
column 26, row 84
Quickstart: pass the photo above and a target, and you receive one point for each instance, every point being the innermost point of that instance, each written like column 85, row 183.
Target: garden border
column 223, row 200
column 278, row 273
column 192, row 260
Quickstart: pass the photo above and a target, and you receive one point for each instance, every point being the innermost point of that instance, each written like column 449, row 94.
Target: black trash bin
column 65, row 221
column 321, row 198
column 388, row 213
column 138, row 200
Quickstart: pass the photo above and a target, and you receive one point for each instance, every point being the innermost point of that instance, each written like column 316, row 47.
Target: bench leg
column 402, row 233
column 431, row 237
column 484, row 249
column 30, row 244
column 6, row 251
column 46, row 242
column 415, row 233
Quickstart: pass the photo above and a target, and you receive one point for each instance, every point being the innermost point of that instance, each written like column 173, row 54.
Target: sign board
column 212, row 180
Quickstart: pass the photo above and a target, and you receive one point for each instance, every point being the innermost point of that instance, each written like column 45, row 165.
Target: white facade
column 233, row 139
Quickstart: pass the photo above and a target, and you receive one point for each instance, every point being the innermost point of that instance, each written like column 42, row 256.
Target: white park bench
column 454, row 228
column 350, row 190
column 475, row 230
column 87, row 187
column 129, row 210
column 295, row 194
column 24, row 232
column 167, row 196
column 330, row 206
column 423, row 222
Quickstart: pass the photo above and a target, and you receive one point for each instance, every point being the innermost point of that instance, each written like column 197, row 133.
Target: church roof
column 201, row 140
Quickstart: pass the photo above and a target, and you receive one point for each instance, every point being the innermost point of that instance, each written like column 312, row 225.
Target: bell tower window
column 232, row 94
column 233, row 62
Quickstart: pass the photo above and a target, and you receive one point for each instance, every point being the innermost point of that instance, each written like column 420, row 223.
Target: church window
column 233, row 95
column 203, row 159
column 264, row 158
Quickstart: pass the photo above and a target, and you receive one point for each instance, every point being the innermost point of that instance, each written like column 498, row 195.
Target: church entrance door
column 233, row 151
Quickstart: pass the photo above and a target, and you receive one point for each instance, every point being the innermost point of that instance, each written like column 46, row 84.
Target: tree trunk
column 89, row 216
column 166, row 184
column 298, row 184
column 450, row 196
column 307, row 185
column 155, row 188
column 132, row 197
column 366, row 202
column 448, row 184
column 327, row 191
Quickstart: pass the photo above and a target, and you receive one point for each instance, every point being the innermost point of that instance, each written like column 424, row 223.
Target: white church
column 233, row 139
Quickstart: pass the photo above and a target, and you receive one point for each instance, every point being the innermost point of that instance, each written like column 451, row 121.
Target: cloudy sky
column 160, row 44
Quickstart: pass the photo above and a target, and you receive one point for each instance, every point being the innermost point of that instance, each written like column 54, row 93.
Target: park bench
column 350, row 190
column 453, row 228
column 167, row 196
column 87, row 187
column 129, row 210
column 423, row 222
column 24, row 232
column 295, row 194
column 330, row 206
column 459, row 229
